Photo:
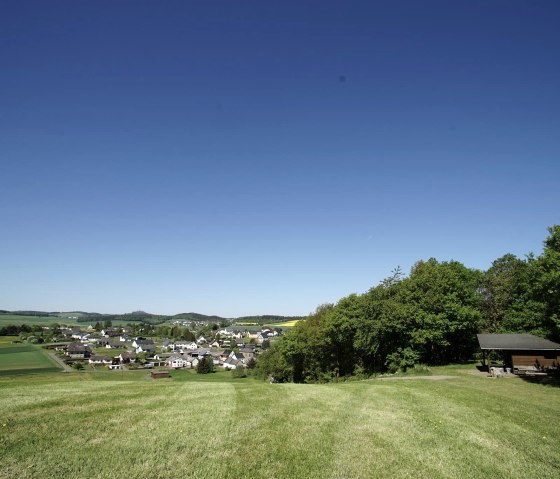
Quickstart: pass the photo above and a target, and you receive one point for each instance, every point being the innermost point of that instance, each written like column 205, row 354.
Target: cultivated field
column 287, row 324
column 6, row 319
column 117, row 425
column 22, row 359
column 17, row 319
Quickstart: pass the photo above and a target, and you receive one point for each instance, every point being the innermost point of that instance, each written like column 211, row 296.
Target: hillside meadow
column 116, row 425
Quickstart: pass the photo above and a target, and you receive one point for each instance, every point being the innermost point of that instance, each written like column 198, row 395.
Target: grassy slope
column 125, row 425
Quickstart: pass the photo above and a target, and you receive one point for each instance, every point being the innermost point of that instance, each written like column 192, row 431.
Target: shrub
column 401, row 360
column 239, row 372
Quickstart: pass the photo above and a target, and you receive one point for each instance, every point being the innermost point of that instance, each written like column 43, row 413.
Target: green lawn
column 117, row 425
column 24, row 358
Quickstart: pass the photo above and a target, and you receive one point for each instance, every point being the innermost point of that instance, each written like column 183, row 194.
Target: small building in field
column 522, row 352
column 160, row 374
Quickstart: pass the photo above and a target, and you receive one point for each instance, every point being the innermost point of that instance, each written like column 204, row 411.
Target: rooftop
column 515, row 342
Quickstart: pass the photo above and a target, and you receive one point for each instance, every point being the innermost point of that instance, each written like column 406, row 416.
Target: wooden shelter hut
column 522, row 353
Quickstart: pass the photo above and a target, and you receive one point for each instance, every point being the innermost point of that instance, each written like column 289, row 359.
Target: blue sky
column 247, row 157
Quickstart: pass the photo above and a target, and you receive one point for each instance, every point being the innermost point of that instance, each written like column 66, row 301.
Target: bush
column 239, row 372
column 401, row 360
column 78, row 366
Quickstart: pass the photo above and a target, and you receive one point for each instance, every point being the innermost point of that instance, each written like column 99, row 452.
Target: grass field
column 116, row 425
column 22, row 359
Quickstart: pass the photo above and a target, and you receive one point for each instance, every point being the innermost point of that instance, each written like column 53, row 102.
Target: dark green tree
column 504, row 288
column 205, row 365
column 545, row 279
column 273, row 363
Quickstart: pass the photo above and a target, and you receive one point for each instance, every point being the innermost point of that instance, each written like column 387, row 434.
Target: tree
column 205, row 365
column 545, row 278
column 273, row 363
column 341, row 324
column 188, row 335
column 446, row 317
column 305, row 348
column 252, row 363
column 504, row 288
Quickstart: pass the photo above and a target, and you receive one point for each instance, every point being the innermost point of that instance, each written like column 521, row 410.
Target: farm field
column 109, row 425
column 16, row 319
column 287, row 324
column 258, row 327
column 19, row 359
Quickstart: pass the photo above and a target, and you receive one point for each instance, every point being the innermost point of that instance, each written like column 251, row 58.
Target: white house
column 176, row 362
column 97, row 359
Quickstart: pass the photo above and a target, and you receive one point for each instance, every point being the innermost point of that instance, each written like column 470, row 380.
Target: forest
column 430, row 317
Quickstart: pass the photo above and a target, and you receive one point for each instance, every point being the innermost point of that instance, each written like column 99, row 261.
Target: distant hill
column 199, row 317
column 142, row 316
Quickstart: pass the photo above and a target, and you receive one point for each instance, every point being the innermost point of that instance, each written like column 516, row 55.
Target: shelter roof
column 515, row 342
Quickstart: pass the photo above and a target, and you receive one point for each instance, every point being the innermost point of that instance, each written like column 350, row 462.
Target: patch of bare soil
column 430, row 378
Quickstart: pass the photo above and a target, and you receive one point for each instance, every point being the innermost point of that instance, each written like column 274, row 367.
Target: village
column 116, row 348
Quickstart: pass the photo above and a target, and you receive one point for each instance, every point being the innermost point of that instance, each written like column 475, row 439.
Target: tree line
column 429, row 317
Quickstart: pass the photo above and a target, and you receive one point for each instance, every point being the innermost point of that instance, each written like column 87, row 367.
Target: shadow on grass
column 550, row 381
column 30, row 371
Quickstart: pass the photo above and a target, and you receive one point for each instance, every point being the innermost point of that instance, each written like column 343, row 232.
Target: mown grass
column 105, row 425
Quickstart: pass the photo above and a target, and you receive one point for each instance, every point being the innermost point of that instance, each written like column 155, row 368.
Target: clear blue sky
column 250, row 157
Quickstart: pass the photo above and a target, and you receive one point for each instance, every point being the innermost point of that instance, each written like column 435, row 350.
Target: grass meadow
column 117, row 425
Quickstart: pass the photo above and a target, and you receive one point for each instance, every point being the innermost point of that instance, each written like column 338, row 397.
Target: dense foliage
column 431, row 317
column 205, row 365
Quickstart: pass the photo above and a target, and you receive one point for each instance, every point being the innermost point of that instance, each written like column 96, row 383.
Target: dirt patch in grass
column 429, row 378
